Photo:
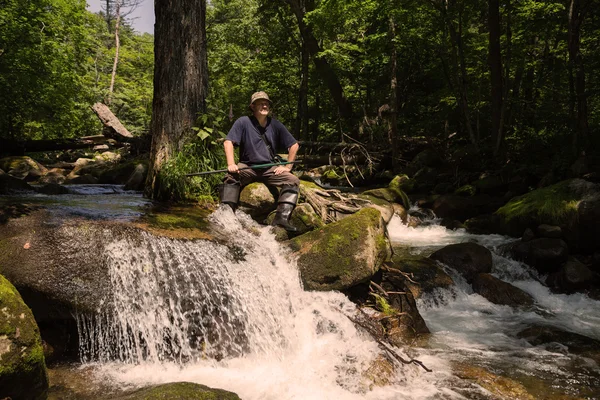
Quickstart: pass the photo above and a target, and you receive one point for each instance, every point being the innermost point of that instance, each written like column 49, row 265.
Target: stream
column 234, row 316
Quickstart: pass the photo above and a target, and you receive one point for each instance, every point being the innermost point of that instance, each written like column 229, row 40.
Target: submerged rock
column 468, row 259
column 427, row 275
column 501, row 387
column 22, row 367
column 500, row 292
column 342, row 254
column 573, row 276
column 180, row 390
column 574, row 342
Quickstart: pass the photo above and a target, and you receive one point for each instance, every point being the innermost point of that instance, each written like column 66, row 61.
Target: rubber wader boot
column 288, row 196
column 230, row 194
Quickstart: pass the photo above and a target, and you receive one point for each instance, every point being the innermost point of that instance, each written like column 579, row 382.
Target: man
column 259, row 136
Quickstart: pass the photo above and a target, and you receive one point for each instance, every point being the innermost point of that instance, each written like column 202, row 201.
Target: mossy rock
column 466, row 191
column 304, row 218
column 257, row 200
column 342, row 254
column 401, row 185
column 22, row 366
column 501, row 387
column 573, row 204
column 383, row 206
column 22, row 167
column 427, row 274
column 180, row 391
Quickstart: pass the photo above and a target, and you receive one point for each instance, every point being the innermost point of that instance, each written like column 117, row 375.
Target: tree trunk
column 302, row 114
column 393, row 130
column 578, row 97
column 495, row 60
column 108, row 14
column 111, row 88
column 180, row 81
column 459, row 63
column 300, row 8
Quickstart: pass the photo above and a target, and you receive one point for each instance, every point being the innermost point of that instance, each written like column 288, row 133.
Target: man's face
column 261, row 107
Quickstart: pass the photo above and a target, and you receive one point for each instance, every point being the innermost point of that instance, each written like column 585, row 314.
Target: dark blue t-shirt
column 245, row 133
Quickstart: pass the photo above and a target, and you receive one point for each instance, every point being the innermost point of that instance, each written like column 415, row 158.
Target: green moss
column 309, row 185
column 401, row 185
column 180, row 390
column 556, row 204
column 180, row 217
column 383, row 306
column 466, row 190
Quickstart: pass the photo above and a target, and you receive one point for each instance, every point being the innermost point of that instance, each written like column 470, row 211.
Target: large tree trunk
column 577, row 77
column 495, row 60
column 393, row 129
column 300, row 8
column 180, row 81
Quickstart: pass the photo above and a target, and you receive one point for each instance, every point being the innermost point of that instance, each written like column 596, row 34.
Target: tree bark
column 495, row 60
column 300, row 8
column 393, row 129
column 118, row 5
column 302, row 113
column 180, row 82
column 578, row 97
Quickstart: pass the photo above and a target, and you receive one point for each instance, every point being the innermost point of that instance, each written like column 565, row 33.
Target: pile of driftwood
column 332, row 205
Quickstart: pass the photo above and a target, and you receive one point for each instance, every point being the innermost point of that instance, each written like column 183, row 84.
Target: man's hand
column 233, row 168
column 281, row 169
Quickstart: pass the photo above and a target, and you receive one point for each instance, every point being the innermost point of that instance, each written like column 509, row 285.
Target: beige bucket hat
column 259, row 96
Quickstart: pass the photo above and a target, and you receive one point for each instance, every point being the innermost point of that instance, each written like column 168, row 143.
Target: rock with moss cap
column 573, row 205
column 400, row 185
column 22, row 367
column 342, row 254
column 23, row 167
column 180, row 391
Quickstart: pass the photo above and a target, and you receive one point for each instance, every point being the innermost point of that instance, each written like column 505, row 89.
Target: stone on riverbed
column 22, row 367
column 500, row 292
column 427, row 274
column 180, row 390
column 468, row 259
column 342, row 254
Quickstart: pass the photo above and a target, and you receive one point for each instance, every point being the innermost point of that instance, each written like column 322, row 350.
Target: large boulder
column 468, row 259
column 256, row 199
column 22, row 167
column 500, row 292
column 9, row 184
column 573, row 205
column 181, row 391
column 54, row 176
column 577, row 344
column 573, row 276
column 426, row 274
column 22, row 367
column 544, row 254
column 342, row 254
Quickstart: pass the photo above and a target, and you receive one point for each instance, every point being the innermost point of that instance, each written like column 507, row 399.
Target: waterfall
column 231, row 314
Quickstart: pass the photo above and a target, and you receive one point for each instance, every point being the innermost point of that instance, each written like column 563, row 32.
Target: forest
column 513, row 81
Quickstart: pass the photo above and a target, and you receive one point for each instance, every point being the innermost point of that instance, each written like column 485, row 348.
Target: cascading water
column 231, row 316
column 466, row 328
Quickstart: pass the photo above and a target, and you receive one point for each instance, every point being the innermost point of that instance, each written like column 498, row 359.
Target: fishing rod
column 250, row 167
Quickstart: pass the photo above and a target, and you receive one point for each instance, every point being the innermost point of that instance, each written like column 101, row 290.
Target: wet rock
column 573, row 204
column 22, row 167
column 383, row 206
column 402, row 184
column 9, row 184
column 86, row 179
column 490, row 184
column 573, row 276
column 575, row 343
column 427, row 274
column 54, row 175
column 500, row 292
column 22, row 366
column 549, row 231
column 380, row 373
column 468, row 259
column 53, row 189
column 463, row 208
column 342, row 254
column 257, row 199
column 485, row 224
column 499, row 386
column 180, row 390
column 304, row 218
column 528, row 235
column 451, row 224
column 401, row 212
column 544, row 254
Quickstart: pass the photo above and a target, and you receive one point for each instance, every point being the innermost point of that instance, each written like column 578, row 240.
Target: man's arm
column 229, row 156
column 292, row 150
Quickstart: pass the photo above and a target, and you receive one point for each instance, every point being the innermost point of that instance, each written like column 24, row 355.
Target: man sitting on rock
column 258, row 137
